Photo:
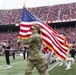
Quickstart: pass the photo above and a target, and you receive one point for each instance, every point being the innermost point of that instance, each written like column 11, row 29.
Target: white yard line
column 2, row 66
column 5, row 67
column 52, row 67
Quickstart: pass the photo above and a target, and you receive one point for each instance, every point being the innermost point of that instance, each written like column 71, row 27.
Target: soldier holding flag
column 36, row 57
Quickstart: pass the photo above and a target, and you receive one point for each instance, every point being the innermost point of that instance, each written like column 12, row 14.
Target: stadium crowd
column 68, row 32
column 45, row 13
column 12, row 37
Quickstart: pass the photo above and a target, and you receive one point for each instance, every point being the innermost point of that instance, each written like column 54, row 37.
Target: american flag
column 52, row 39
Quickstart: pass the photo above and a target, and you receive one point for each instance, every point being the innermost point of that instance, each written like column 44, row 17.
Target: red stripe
column 23, row 36
column 26, row 25
column 60, row 38
column 55, row 45
column 54, row 49
column 54, row 40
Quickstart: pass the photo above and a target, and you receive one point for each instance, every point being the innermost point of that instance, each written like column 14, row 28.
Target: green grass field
column 19, row 68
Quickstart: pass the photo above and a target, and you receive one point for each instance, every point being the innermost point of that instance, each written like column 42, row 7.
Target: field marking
column 4, row 67
column 13, row 63
column 52, row 67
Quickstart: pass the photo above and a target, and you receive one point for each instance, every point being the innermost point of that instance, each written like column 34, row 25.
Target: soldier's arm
column 24, row 41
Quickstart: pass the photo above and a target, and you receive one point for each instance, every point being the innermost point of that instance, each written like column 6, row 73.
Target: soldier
column 36, row 57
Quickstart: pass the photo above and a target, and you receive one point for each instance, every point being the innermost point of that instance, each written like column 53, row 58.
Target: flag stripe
column 57, row 52
column 56, row 44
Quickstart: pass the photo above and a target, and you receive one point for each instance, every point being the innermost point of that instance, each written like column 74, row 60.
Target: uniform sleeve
column 29, row 40
column 26, row 41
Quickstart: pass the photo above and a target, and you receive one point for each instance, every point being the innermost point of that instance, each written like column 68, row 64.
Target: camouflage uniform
column 36, row 57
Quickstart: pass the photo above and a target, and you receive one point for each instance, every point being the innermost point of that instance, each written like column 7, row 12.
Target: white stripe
column 25, row 28
column 28, row 23
column 54, row 40
column 42, row 25
column 61, row 53
column 52, row 67
column 27, row 33
column 4, row 67
column 49, row 30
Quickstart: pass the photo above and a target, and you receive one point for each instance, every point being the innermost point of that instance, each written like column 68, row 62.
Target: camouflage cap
column 37, row 27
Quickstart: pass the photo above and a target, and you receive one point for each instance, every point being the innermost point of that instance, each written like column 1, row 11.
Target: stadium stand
column 46, row 13
column 49, row 14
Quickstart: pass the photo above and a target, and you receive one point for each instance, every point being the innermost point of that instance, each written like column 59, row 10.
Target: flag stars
column 28, row 17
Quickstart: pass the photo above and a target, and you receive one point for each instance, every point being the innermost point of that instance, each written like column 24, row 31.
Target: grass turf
column 19, row 68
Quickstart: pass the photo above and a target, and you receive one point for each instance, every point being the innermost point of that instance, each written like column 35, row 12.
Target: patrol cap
column 37, row 27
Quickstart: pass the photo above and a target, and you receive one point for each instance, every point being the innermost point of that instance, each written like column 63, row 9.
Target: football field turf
column 19, row 67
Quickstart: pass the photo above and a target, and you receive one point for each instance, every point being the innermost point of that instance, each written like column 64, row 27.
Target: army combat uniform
column 36, row 57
